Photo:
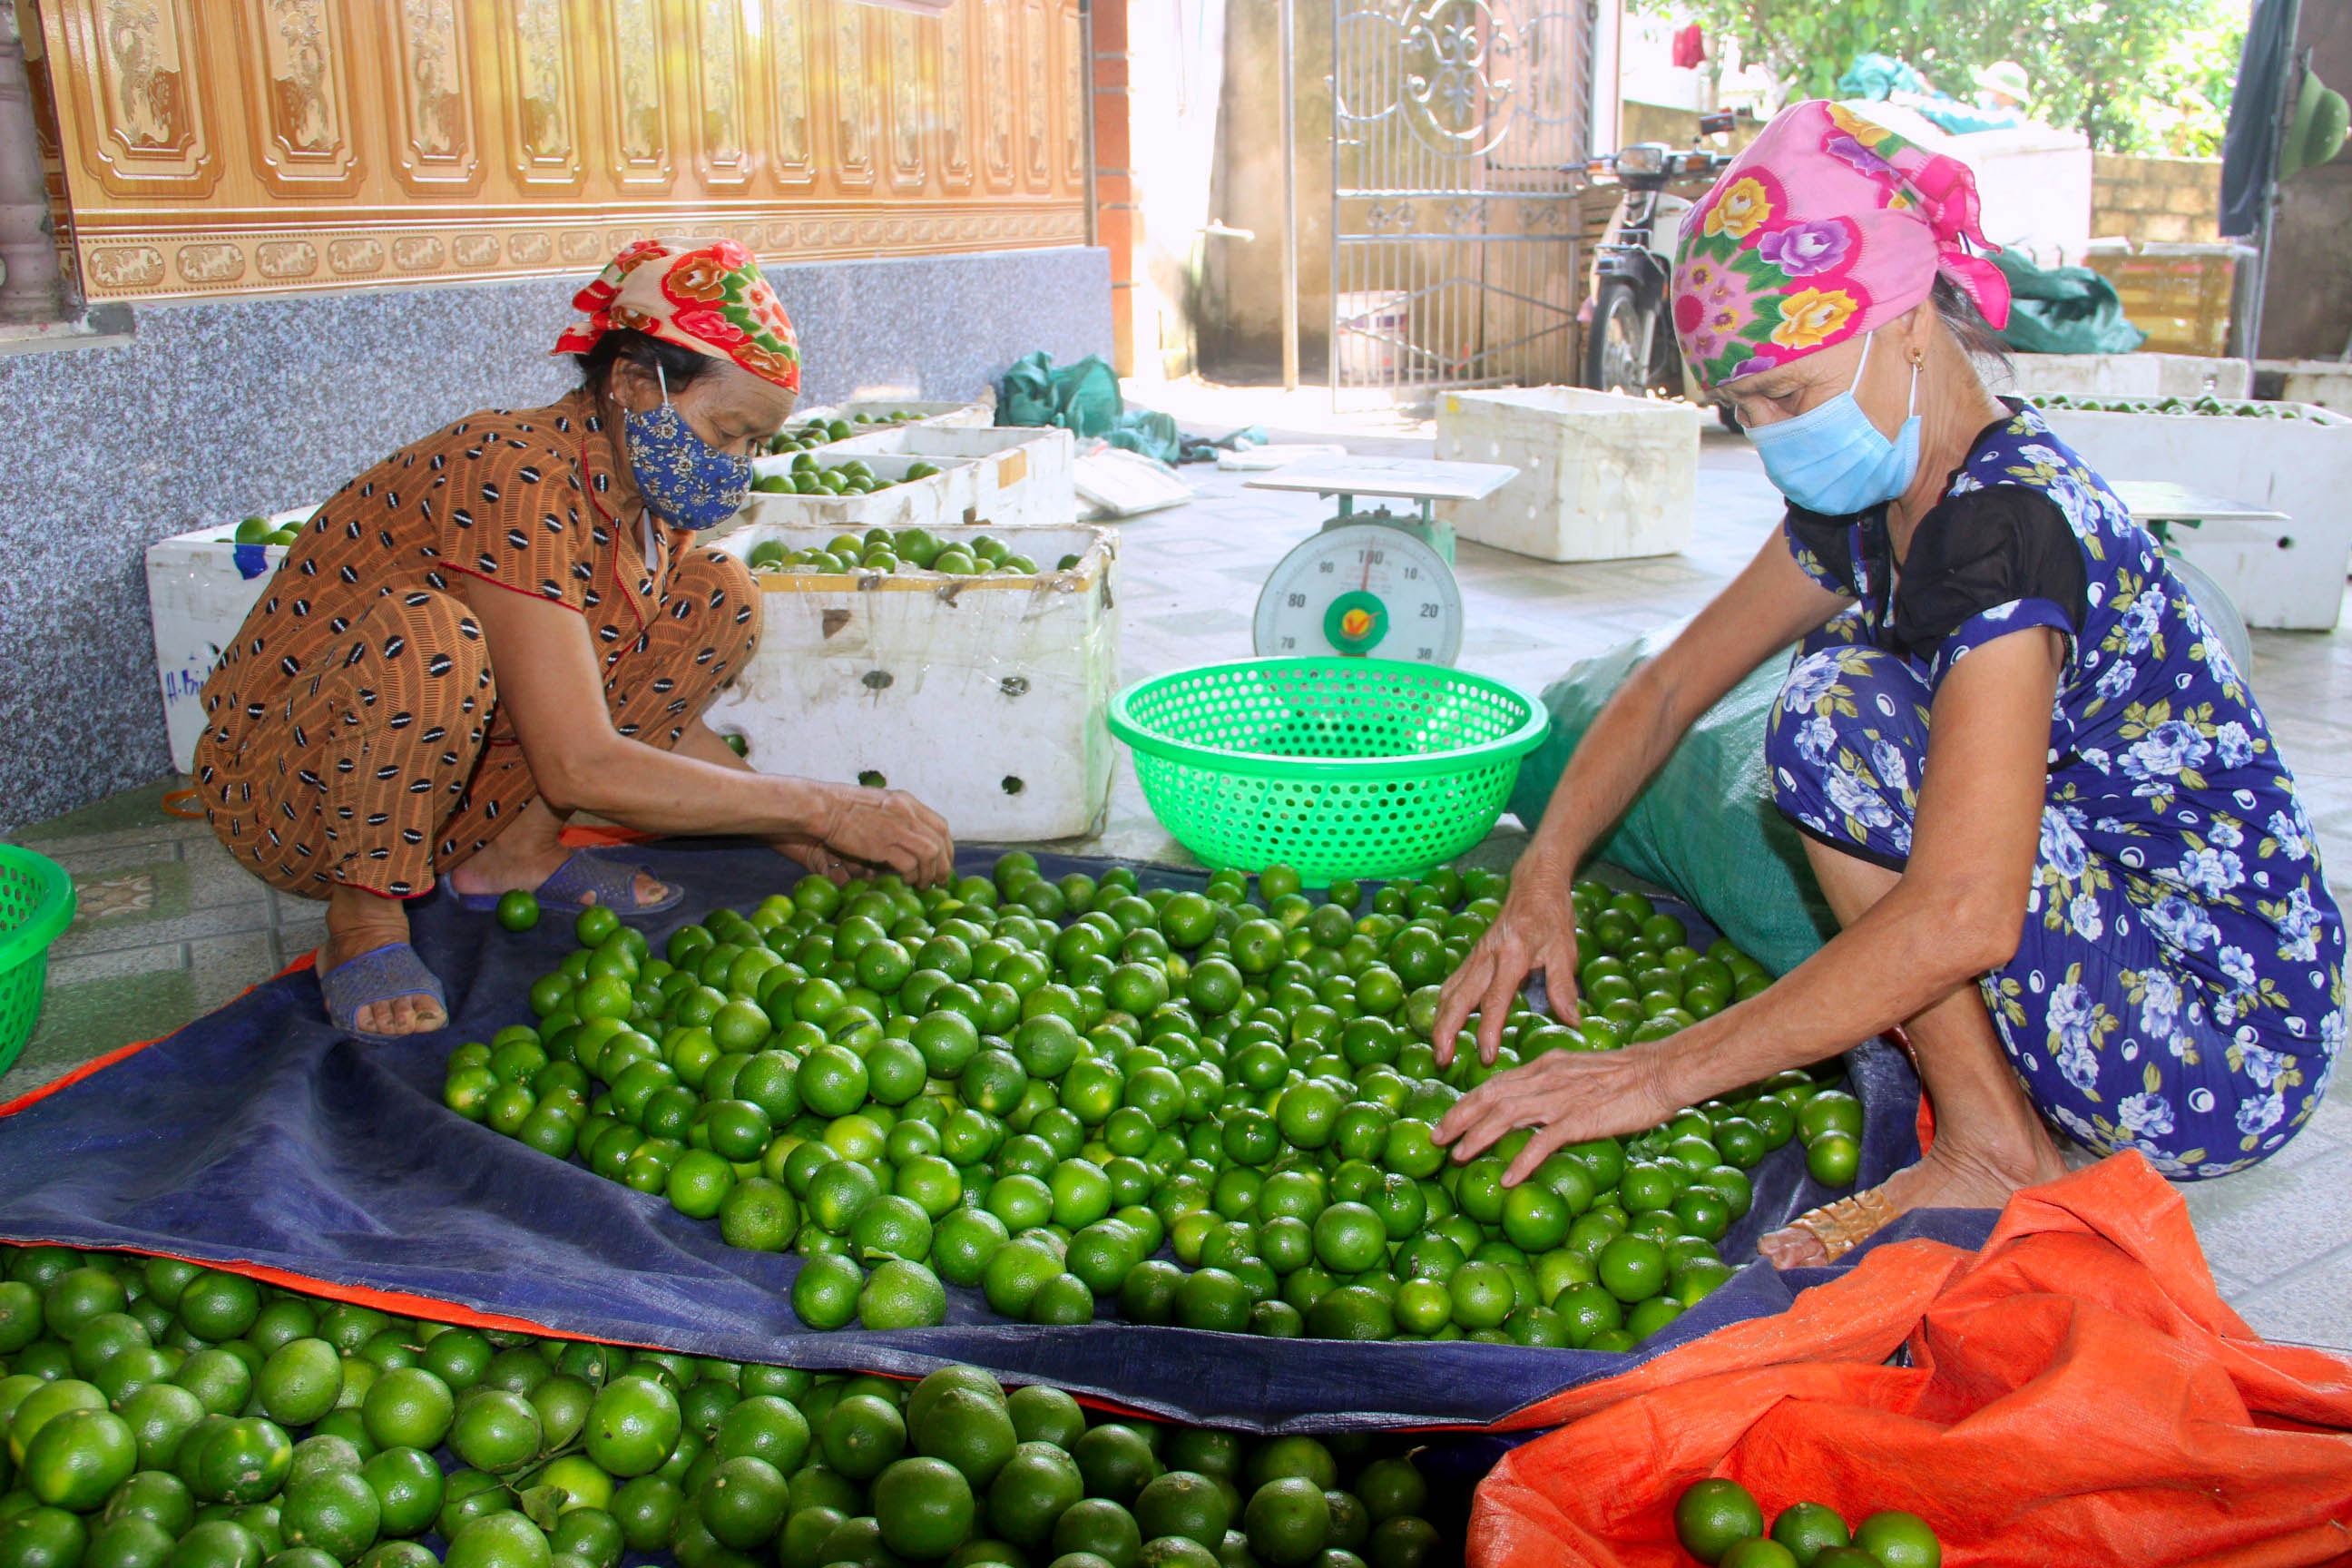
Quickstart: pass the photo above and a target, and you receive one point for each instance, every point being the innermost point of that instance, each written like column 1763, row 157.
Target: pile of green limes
column 159, row 1415
column 816, row 433
column 913, row 1090
column 1718, row 1521
column 904, row 550
column 854, row 476
column 261, row 530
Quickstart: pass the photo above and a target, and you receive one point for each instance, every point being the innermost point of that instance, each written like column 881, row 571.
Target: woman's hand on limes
column 1568, row 1097
column 1536, row 931
column 814, row 855
column 889, row 827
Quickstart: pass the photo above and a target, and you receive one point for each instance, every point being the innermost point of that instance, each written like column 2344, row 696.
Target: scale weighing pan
column 1371, row 583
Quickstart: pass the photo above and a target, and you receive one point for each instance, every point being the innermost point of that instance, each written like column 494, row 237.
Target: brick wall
column 2168, row 199
column 1118, row 221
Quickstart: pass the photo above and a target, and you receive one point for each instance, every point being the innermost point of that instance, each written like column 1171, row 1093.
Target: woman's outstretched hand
column 1535, row 931
column 1568, row 1097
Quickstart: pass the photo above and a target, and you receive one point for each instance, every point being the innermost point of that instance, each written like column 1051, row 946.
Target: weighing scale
column 1372, row 581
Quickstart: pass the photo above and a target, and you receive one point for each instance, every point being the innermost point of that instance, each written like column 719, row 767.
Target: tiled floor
column 170, row 928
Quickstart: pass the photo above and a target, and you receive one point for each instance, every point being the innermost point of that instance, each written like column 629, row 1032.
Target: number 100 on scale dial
column 1365, row 590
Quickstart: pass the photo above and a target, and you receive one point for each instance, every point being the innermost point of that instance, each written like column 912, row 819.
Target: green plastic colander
column 36, row 902
column 1336, row 767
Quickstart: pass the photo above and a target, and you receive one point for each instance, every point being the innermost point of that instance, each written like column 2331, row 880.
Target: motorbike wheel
column 1620, row 345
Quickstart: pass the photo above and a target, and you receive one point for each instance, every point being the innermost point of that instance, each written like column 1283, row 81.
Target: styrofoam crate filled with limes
column 1020, row 474
column 862, row 413
column 200, row 585
column 821, row 489
column 986, row 694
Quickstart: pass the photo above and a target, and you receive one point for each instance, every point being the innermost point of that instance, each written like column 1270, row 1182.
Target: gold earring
column 1918, row 358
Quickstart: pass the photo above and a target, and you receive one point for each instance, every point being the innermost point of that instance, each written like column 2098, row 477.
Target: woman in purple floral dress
column 2066, row 855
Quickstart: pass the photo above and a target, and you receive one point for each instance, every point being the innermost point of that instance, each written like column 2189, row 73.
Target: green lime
column 1713, row 1515
column 589, row 1534
column 764, row 1426
column 409, row 1407
column 924, row 1508
column 301, row 1381
column 1287, row 1521
column 824, row 1296
column 1041, row 1415
column 1833, row 1159
column 743, row 1502
column 1758, row 1551
column 215, row 1543
column 1631, row 1268
column 1116, row 1461
column 408, row 1490
column 1185, row 1503
column 136, row 1542
column 970, row 1429
column 496, row 1430
column 1899, row 1539
column 339, row 1514
column 1483, row 1295
column 1809, row 1528
column 242, row 1461
column 1037, row 1485
column 861, row 1436
column 78, row 1457
column 215, row 1307
column 1101, row 1528
column 504, row 1539
column 633, row 1425
column 901, row 1293
column 518, row 910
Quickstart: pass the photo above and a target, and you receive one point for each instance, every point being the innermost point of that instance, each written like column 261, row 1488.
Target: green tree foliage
column 2135, row 76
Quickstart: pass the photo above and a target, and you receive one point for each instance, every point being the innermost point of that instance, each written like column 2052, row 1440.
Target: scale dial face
column 1364, row 589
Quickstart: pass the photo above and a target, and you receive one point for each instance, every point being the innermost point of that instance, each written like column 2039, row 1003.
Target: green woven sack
column 1706, row 828
column 1082, row 399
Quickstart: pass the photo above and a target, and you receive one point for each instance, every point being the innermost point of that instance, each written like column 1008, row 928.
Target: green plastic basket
column 36, row 902
column 1336, row 767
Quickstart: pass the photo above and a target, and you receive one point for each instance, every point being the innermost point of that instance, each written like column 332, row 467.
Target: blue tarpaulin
column 259, row 1136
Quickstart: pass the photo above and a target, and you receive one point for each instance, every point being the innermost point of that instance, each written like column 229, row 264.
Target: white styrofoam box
column 2034, row 182
column 936, row 500
column 986, row 697
column 2300, row 465
column 1602, row 476
column 2325, row 382
column 200, row 587
column 2128, row 375
column 1021, row 473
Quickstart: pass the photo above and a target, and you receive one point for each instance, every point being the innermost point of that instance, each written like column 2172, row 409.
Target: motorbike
column 1629, row 342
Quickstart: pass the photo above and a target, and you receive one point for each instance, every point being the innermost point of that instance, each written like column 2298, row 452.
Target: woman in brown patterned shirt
column 506, row 623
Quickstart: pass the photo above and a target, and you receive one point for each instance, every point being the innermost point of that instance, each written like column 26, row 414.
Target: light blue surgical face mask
column 1833, row 460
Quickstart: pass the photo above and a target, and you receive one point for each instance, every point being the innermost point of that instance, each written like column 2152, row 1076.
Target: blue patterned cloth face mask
column 682, row 477
column 1832, row 459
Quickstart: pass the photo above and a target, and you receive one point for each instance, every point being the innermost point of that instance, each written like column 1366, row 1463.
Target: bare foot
column 1949, row 1175
column 526, row 855
column 360, row 923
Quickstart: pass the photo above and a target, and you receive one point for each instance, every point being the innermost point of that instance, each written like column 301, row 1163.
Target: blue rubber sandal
column 613, row 885
column 380, row 974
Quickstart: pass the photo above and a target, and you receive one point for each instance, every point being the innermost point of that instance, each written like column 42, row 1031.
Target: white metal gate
column 1459, row 134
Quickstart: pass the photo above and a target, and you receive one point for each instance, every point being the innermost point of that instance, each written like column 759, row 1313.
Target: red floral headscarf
column 1827, row 225
column 707, row 298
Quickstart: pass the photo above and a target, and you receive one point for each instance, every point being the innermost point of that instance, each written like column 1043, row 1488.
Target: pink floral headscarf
column 1826, row 227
